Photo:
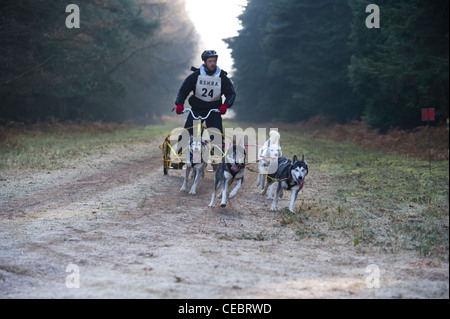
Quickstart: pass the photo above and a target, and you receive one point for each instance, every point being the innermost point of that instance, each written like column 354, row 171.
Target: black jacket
column 189, row 84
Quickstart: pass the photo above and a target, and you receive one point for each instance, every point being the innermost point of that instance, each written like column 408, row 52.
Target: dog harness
column 233, row 169
column 283, row 173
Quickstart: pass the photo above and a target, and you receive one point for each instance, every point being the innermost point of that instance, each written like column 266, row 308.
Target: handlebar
column 200, row 117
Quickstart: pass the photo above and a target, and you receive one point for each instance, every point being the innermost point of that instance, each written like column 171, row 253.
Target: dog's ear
column 234, row 140
column 294, row 159
column 241, row 142
column 274, row 137
column 228, row 144
column 304, row 161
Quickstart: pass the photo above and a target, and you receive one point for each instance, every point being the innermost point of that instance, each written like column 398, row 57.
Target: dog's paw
column 192, row 192
column 273, row 208
column 182, row 189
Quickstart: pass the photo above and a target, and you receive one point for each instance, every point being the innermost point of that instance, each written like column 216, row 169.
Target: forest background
column 294, row 60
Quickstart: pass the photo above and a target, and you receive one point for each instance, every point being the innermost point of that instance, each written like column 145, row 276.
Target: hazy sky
column 216, row 20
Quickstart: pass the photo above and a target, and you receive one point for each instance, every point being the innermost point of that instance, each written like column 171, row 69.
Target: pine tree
column 403, row 66
column 115, row 67
column 302, row 62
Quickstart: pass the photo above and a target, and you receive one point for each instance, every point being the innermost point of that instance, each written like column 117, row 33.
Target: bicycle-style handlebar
column 200, row 117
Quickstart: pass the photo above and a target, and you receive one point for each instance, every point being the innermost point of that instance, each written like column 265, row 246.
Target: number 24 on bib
column 208, row 88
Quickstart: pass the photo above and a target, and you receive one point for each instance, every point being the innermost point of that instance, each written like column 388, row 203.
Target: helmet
column 208, row 54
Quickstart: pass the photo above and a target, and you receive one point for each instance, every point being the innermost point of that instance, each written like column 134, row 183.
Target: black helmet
column 208, row 54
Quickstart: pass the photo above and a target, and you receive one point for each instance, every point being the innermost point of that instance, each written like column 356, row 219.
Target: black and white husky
column 195, row 162
column 290, row 175
column 268, row 159
column 231, row 168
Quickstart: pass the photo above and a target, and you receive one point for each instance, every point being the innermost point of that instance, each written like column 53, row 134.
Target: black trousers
column 213, row 122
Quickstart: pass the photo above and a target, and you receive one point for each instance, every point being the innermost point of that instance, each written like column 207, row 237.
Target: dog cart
column 168, row 151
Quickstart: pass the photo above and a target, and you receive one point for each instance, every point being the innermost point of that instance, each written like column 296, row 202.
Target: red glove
column 223, row 109
column 180, row 109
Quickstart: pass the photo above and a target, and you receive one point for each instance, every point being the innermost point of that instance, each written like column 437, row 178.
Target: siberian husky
column 231, row 168
column 290, row 175
column 196, row 162
column 268, row 159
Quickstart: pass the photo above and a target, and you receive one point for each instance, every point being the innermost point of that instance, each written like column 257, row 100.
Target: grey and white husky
column 268, row 159
column 195, row 162
column 230, row 169
column 290, row 175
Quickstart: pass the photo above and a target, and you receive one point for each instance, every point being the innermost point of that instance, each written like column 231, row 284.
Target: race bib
column 208, row 88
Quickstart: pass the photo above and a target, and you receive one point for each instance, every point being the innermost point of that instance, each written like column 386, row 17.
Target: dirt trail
column 133, row 234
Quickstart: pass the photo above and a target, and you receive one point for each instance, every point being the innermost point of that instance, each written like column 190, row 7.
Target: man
column 208, row 84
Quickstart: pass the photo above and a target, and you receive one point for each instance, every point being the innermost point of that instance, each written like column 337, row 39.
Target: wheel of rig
column 166, row 157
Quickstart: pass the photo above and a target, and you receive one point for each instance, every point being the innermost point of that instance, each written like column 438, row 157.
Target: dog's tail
column 274, row 137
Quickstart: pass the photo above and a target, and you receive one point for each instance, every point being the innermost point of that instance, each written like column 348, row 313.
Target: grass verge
column 374, row 198
column 38, row 148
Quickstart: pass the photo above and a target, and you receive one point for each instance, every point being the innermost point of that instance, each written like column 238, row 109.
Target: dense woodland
column 293, row 60
column 298, row 59
column 121, row 64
